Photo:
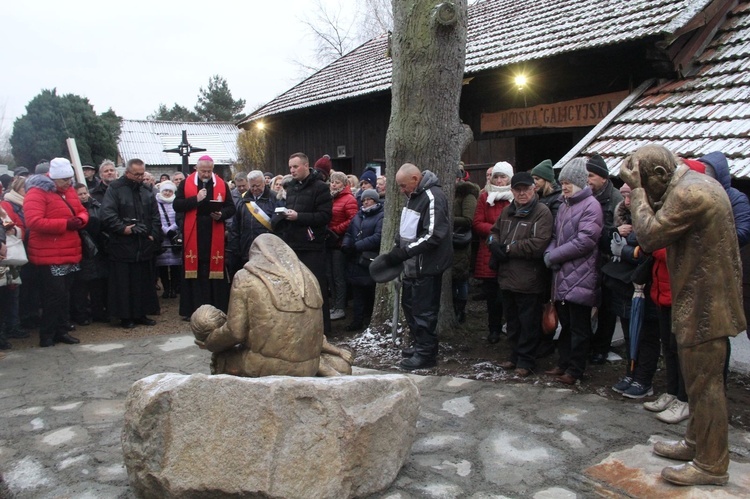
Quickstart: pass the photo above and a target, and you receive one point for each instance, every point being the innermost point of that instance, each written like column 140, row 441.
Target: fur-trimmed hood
column 42, row 182
column 464, row 189
column 622, row 215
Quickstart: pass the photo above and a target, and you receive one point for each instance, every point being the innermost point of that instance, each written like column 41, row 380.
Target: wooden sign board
column 567, row 114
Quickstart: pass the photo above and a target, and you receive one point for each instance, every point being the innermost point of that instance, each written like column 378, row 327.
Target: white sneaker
column 337, row 314
column 659, row 404
column 675, row 413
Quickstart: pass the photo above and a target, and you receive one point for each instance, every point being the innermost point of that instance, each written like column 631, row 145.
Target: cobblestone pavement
column 62, row 412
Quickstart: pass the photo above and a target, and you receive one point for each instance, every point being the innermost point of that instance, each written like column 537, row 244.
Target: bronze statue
column 274, row 325
column 690, row 214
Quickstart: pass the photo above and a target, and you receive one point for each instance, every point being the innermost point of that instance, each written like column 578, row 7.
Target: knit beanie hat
column 369, row 176
column 60, row 168
column 596, row 165
column 167, row 185
column 575, row 172
column 544, row 170
column 504, row 168
column 371, row 194
column 323, row 165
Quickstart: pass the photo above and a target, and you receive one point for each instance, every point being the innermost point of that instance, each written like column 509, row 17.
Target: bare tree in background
column 339, row 26
column 376, row 18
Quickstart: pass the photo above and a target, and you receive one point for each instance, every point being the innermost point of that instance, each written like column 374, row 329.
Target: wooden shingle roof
column 709, row 111
column 500, row 33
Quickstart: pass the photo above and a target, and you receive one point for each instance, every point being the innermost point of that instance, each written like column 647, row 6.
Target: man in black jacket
column 107, row 175
column 609, row 197
column 303, row 225
column 255, row 209
column 131, row 217
column 425, row 246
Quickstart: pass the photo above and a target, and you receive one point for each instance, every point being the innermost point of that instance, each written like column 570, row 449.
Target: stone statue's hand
column 347, row 356
column 200, row 344
column 630, row 173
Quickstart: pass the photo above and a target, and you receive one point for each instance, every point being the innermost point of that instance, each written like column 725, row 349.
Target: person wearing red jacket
column 672, row 406
column 492, row 200
column 345, row 208
column 54, row 215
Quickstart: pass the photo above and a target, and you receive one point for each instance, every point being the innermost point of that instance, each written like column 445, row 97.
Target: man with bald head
column 425, row 246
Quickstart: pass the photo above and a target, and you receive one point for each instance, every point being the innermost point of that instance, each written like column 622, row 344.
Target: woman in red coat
column 345, row 207
column 53, row 217
column 493, row 199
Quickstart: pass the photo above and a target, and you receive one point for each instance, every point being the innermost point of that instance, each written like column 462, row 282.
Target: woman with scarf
column 28, row 297
column 9, row 284
column 12, row 205
column 169, row 262
column 548, row 190
column 362, row 243
column 493, row 199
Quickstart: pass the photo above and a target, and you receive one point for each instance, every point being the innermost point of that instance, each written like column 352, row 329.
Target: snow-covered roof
column 500, row 33
column 693, row 116
column 146, row 140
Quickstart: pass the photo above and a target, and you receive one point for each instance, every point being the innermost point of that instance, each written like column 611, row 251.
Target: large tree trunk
column 428, row 50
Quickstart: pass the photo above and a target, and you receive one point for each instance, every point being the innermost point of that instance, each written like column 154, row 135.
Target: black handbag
column 88, row 246
column 461, row 237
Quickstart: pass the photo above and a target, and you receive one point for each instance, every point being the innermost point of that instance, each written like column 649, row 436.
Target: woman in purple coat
column 572, row 255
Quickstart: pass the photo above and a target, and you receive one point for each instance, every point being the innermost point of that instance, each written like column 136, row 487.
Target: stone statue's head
column 205, row 319
column 657, row 164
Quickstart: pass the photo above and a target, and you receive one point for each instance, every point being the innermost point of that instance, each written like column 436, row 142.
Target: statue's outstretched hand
column 347, row 356
column 630, row 173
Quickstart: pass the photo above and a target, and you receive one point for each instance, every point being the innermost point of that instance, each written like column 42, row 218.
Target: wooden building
column 545, row 79
column 146, row 140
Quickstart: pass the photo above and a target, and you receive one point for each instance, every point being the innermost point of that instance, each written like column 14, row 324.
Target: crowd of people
column 669, row 237
column 535, row 237
column 185, row 236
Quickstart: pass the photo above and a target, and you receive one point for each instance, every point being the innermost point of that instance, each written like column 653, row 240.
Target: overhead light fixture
column 260, row 125
column 521, row 81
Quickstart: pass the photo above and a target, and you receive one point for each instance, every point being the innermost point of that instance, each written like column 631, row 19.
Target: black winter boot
column 460, row 308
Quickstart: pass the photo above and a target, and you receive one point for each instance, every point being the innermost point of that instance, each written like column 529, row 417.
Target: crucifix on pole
column 184, row 149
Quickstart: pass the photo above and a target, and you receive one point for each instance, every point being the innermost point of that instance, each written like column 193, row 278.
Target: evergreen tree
column 177, row 113
column 50, row 119
column 215, row 103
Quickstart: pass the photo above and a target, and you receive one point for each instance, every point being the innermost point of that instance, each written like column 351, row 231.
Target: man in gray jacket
column 425, row 246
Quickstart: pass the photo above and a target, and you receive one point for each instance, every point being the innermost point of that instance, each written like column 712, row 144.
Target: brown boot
column 680, row 451
column 690, row 474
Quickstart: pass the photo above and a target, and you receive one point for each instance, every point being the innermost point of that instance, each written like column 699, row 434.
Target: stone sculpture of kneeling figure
column 274, row 324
